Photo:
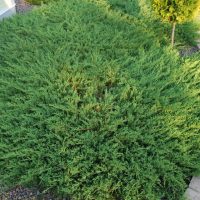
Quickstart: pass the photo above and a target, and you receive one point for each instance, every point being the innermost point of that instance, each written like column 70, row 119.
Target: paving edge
column 193, row 191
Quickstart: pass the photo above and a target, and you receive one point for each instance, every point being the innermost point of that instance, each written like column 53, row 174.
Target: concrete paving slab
column 192, row 195
column 195, row 184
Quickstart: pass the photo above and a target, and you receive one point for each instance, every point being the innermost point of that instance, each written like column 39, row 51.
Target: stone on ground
column 193, row 192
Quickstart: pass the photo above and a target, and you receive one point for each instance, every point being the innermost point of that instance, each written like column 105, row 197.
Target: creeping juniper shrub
column 92, row 108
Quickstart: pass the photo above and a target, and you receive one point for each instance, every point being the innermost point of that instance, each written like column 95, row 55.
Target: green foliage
column 36, row 2
column 188, row 33
column 39, row 2
column 96, row 109
column 176, row 10
column 141, row 12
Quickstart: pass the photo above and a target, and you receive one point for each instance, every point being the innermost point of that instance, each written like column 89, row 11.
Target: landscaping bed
column 95, row 105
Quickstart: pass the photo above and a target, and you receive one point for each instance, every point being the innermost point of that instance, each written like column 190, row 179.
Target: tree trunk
column 173, row 33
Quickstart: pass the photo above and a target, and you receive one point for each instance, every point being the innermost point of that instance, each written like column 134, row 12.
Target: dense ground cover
column 93, row 105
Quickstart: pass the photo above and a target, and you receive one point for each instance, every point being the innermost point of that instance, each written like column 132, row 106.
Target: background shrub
column 91, row 107
column 186, row 35
column 39, row 2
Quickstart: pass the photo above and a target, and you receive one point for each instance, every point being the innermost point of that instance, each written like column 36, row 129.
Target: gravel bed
column 189, row 51
column 20, row 193
column 23, row 6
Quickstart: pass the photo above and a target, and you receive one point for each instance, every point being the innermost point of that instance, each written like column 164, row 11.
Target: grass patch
column 93, row 106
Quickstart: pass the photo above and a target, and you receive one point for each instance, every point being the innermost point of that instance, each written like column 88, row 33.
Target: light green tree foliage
column 176, row 11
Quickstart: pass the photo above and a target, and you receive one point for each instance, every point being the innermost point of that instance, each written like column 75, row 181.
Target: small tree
column 176, row 11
